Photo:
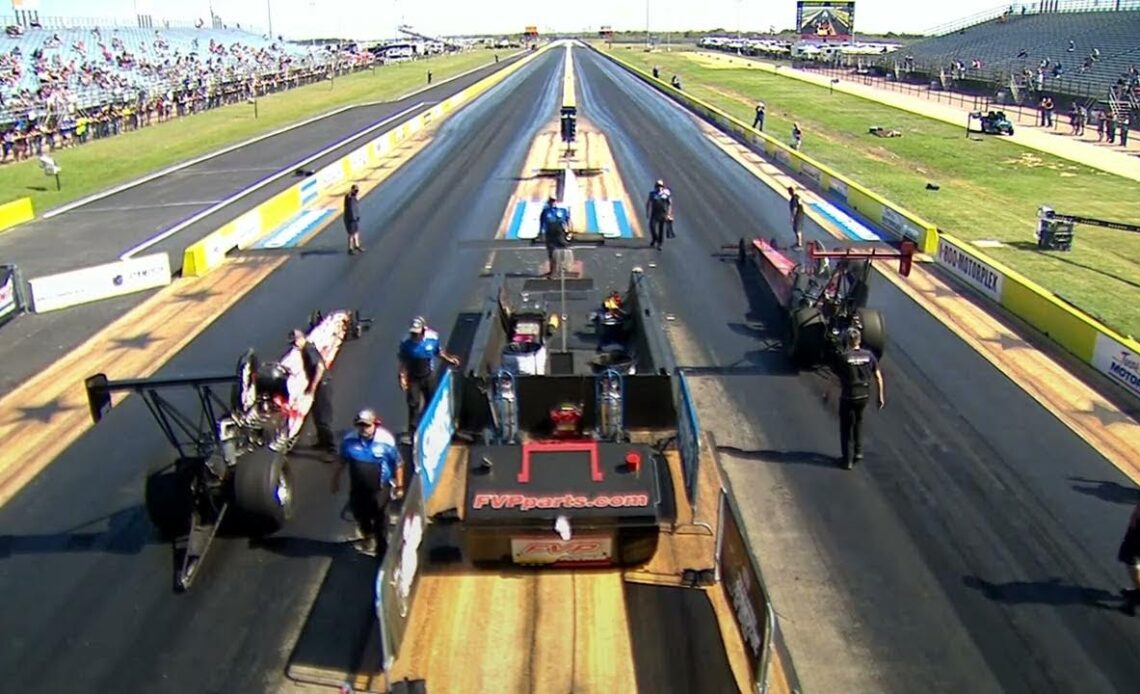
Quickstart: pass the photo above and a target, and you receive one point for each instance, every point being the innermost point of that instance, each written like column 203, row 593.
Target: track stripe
column 290, row 233
column 622, row 220
column 851, row 227
column 591, row 217
column 528, row 229
column 516, row 220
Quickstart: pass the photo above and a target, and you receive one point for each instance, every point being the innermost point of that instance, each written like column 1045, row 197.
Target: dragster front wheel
column 169, row 501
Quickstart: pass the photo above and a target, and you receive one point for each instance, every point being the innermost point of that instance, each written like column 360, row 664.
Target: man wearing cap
column 418, row 354
column 352, row 219
column 856, row 367
column 659, row 209
column 316, row 371
column 554, row 224
column 375, row 476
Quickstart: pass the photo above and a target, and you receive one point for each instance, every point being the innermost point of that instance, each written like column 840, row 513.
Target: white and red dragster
column 233, row 453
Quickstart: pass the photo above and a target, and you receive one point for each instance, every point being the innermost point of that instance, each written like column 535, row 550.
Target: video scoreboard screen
column 825, row 20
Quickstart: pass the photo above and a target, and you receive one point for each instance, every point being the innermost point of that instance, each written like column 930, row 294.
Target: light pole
column 647, row 44
column 269, row 16
column 739, row 49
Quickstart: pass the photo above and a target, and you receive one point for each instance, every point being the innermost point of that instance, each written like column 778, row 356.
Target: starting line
column 605, row 217
column 851, row 227
column 290, row 233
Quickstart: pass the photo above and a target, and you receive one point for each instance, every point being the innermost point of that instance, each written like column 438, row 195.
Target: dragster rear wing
column 99, row 388
column 905, row 254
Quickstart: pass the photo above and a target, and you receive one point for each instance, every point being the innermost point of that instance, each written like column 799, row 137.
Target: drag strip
column 974, row 549
column 87, row 590
column 86, row 236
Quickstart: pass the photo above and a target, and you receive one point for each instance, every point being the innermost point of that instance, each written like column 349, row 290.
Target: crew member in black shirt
column 316, row 372
column 352, row 219
column 856, row 367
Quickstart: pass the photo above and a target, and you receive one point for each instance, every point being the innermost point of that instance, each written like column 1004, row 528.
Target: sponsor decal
column 783, row 156
column 8, row 304
column 528, row 502
column 330, row 175
column 742, row 587
column 309, row 191
column 54, row 292
column 536, row 550
column 839, row 186
column 900, row 225
column 970, row 269
column 811, row 173
column 433, row 438
column 358, row 159
column 410, row 538
column 1118, row 362
column 688, row 438
column 247, row 228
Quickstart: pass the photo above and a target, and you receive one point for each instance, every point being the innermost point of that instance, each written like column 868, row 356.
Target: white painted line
column 157, row 206
column 159, row 238
column 245, row 143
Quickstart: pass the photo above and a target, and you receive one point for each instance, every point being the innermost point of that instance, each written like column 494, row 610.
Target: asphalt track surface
column 104, row 229
column 966, row 478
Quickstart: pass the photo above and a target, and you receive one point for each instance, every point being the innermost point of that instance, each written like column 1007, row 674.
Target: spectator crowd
column 63, row 88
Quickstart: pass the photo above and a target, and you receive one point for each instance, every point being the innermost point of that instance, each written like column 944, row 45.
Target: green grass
column 990, row 188
column 102, row 164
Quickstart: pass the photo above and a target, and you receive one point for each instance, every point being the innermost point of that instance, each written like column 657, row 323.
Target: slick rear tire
column 874, row 331
column 169, row 502
column 263, row 490
column 807, row 336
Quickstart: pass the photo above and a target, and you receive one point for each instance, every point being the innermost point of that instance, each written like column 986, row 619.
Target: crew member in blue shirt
column 419, row 354
column 554, row 225
column 375, row 476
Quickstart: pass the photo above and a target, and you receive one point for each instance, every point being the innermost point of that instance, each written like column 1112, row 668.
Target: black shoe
column 352, row 251
column 1131, row 600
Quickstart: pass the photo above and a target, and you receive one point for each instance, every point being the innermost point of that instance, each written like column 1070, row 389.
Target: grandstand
column 1087, row 50
column 63, row 83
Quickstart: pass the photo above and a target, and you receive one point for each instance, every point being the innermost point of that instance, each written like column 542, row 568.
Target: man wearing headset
column 856, row 368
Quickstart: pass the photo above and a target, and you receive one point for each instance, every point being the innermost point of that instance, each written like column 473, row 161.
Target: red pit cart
column 824, row 299
column 233, row 451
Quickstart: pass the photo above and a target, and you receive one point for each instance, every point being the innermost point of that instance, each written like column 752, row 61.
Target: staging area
column 566, row 542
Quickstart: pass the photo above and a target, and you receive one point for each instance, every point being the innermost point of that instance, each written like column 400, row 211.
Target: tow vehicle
column 232, row 452
column 822, row 300
column 990, row 123
column 566, row 528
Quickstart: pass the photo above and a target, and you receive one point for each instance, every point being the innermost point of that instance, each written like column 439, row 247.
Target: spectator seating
column 998, row 43
column 82, row 68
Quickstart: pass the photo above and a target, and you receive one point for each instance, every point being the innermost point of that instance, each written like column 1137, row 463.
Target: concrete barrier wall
column 890, row 217
column 16, row 212
column 210, row 252
column 1115, row 356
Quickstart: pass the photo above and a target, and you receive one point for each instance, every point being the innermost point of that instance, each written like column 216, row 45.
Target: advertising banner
column 396, row 579
column 433, row 437
column 8, row 304
column 66, row 289
column 822, row 20
column 968, row 268
column 742, row 587
column 1118, row 362
column 688, row 436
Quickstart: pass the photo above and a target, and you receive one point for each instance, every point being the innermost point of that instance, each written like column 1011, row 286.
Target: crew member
column 796, row 207
column 375, row 476
column 1129, row 554
column 554, row 225
column 352, row 219
column 758, row 121
column 418, row 366
column 316, row 371
column 659, row 209
column 856, row 367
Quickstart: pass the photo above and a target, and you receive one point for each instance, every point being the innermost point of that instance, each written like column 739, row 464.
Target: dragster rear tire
column 263, row 490
column 801, row 287
column 807, row 336
column 874, row 331
column 169, row 501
